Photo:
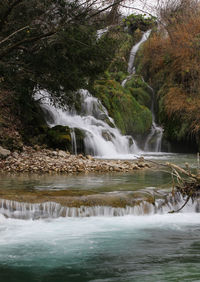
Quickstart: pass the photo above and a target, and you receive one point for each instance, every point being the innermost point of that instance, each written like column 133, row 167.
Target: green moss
column 59, row 137
column 130, row 116
column 140, row 91
column 120, row 60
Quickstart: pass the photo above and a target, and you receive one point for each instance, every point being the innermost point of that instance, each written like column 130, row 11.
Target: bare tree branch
column 12, row 34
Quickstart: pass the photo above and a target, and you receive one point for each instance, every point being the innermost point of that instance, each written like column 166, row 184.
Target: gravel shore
column 40, row 160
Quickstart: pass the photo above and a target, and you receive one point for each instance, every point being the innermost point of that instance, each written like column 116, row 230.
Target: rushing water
column 154, row 247
column 134, row 50
column 102, row 138
column 148, row 248
column 154, row 139
column 135, row 247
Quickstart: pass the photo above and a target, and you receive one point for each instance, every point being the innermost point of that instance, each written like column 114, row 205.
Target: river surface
column 130, row 248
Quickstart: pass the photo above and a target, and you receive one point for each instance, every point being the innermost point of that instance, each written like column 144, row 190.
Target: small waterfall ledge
column 22, row 210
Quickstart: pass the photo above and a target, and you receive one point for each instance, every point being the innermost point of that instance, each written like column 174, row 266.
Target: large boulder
column 4, row 153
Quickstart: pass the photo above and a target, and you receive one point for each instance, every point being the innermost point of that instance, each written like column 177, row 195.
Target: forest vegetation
column 55, row 47
column 170, row 61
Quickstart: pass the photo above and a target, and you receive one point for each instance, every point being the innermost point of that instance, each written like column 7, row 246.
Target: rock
column 62, row 154
column 15, row 155
column 49, row 161
column 141, row 162
column 89, row 157
column 81, row 156
column 54, row 153
column 4, row 153
column 59, row 137
column 36, row 147
column 106, row 135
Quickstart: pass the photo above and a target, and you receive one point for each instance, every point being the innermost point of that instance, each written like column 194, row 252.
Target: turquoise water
column 130, row 248
column 147, row 248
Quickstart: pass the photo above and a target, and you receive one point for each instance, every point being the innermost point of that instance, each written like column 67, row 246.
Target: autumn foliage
column 171, row 58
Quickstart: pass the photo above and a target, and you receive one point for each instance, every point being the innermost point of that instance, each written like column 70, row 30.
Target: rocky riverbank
column 39, row 160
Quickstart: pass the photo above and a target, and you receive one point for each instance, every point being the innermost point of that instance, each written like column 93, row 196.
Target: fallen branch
column 183, row 181
column 183, row 171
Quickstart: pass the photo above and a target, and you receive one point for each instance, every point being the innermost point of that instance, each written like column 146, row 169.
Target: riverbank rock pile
column 40, row 160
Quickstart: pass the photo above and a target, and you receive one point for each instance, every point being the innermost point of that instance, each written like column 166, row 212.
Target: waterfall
column 135, row 48
column 102, row 137
column 131, row 68
column 154, row 138
column 21, row 210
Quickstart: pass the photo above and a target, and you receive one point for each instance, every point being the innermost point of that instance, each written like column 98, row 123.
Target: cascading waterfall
column 131, row 68
column 154, row 139
column 135, row 48
column 21, row 210
column 102, row 137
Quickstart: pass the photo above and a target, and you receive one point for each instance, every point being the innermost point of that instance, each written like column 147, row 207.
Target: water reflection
column 99, row 182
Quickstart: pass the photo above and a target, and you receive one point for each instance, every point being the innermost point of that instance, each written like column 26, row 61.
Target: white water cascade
column 135, row 48
column 102, row 137
column 154, row 138
column 21, row 210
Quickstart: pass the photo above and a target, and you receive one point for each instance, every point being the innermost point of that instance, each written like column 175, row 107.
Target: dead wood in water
column 188, row 183
column 184, row 181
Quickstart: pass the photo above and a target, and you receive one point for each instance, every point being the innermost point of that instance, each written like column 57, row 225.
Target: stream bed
column 152, row 247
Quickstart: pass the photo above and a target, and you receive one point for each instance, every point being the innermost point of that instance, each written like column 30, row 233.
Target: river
column 154, row 247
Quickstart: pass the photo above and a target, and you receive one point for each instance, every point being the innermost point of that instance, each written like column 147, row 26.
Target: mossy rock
column 129, row 115
column 140, row 90
column 59, row 137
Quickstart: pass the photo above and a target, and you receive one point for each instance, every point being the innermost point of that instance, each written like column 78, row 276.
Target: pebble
column 40, row 160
